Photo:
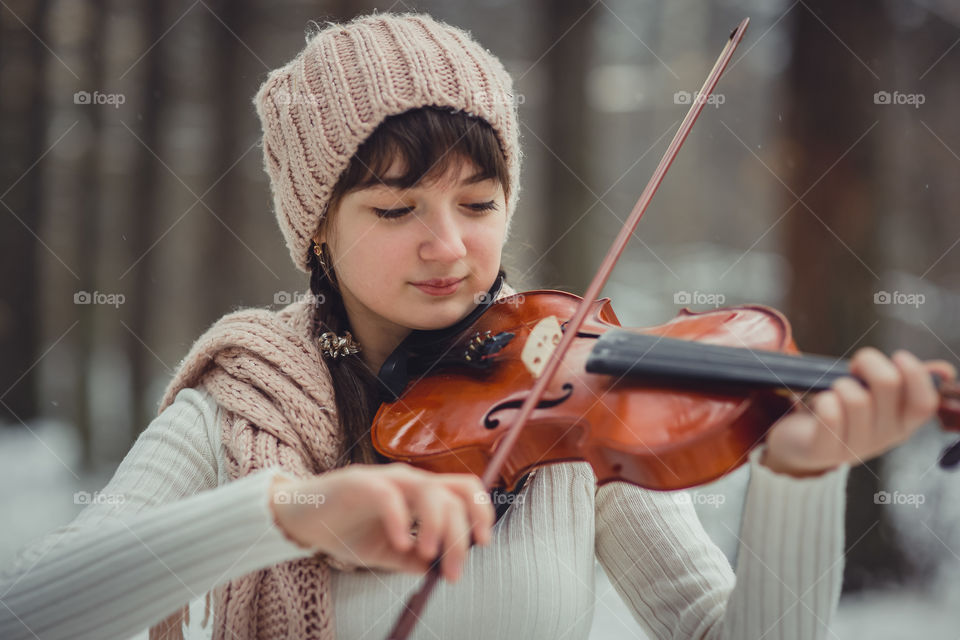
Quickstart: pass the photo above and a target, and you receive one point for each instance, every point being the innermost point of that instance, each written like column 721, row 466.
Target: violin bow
column 415, row 605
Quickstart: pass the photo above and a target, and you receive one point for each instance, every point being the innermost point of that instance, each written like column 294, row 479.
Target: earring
column 318, row 251
column 334, row 346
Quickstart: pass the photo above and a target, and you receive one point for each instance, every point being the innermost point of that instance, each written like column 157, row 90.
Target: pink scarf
column 268, row 377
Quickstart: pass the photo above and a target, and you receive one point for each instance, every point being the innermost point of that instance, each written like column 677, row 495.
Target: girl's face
column 384, row 241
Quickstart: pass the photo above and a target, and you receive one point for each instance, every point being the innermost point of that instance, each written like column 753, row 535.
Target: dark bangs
column 428, row 142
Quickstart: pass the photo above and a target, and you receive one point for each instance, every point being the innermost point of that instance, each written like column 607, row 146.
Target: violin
column 546, row 376
column 667, row 407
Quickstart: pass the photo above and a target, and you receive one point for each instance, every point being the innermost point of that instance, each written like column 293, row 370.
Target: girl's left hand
column 850, row 423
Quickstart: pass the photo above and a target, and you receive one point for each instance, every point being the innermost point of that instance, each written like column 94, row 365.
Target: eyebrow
column 397, row 183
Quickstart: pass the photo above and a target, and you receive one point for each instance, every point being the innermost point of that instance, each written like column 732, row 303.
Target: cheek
column 485, row 244
column 373, row 264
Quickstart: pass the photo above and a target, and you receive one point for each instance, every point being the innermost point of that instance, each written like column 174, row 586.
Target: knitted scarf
column 268, row 376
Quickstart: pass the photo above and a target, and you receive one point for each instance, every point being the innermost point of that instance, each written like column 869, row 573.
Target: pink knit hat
column 318, row 109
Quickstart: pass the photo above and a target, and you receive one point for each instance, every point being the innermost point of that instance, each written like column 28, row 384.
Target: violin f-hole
column 492, row 423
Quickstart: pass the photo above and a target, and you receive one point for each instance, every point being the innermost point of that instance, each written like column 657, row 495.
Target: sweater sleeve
column 160, row 534
column 679, row 584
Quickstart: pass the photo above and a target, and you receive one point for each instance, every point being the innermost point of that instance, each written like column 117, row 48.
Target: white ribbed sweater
column 181, row 527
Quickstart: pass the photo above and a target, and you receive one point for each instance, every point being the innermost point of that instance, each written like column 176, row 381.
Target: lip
column 439, row 286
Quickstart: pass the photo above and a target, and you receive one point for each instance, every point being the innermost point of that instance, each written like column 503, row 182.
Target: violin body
column 640, row 430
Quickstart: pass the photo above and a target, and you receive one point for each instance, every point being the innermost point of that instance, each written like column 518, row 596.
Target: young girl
column 392, row 148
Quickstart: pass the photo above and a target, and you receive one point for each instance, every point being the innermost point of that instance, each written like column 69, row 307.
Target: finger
column 885, row 382
column 831, row 435
column 920, row 397
column 420, row 490
column 396, row 517
column 858, row 413
column 426, row 499
column 456, row 540
column 479, row 508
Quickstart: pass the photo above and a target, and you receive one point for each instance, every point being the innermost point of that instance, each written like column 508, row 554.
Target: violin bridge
column 544, row 338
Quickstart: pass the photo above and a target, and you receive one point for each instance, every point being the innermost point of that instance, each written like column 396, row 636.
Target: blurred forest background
column 821, row 180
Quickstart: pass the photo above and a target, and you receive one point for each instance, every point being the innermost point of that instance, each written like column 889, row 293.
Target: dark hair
column 429, row 141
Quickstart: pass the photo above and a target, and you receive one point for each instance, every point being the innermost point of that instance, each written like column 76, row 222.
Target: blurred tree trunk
column 834, row 245
column 927, row 189
column 23, row 63
column 222, row 253
column 88, row 236
column 145, row 196
column 568, row 27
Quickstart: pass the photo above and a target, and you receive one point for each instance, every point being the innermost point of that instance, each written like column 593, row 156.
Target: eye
column 391, row 213
column 483, row 206
column 397, row 213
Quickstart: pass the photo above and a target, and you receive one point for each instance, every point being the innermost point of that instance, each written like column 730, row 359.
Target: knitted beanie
column 318, row 109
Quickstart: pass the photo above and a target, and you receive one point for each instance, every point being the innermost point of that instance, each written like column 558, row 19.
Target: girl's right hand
column 362, row 514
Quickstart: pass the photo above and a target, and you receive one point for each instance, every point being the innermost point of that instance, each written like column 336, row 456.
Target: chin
column 443, row 316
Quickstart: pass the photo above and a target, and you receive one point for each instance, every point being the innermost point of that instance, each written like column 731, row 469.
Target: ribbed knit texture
column 187, row 527
column 267, row 373
column 317, row 110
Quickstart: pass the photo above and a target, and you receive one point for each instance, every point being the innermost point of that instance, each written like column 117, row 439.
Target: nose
column 443, row 236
